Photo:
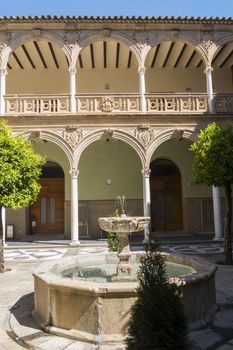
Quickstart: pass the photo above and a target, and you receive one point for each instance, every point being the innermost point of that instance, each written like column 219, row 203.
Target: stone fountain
column 123, row 225
column 98, row 311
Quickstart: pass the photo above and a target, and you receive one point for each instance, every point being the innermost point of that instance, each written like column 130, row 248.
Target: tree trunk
column 227, row 226
column 1, row 244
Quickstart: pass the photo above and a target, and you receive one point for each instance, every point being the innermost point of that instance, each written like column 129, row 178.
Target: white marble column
column 72, row 72
column 4, row 226
column 3, row 73
column 74, row 208
column 209, row 85
column 218, row 224
column 146, row 198
column 142, row 88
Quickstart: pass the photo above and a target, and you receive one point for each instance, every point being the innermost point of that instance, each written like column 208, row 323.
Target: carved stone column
column 218, row 224
column 146, row 198
column 72, row 72
column 3, row 73
column 142, row 88
column 209, row 86
column 74, row 207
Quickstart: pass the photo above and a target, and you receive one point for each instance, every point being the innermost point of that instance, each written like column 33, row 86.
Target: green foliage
column 112, row 238
column 157, row 319
column 20, row 168
column 213, row 156
column 213, row 165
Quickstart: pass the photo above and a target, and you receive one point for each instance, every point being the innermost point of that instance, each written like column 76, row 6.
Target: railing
column 223, row 103
column 157, row 103
column 108, row 103
column 177, row 103
column 37, row 104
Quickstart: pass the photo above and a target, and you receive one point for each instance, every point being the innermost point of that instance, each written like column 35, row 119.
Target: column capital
column 208, row 70
column 72, row 70
column 141, row 70
column 146, row 172
column 74, row 173
column 3, row 71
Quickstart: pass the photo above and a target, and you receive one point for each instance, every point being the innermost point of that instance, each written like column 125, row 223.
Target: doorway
column 166, row 196
column 47, row 213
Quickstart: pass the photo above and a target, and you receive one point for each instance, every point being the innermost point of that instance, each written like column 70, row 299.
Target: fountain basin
column 124, row 223
column 99, row 312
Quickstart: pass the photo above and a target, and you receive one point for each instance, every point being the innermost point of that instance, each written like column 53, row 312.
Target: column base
column 218, row 239
column 74, row 243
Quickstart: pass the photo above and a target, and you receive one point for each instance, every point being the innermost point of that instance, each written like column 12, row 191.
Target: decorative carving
column 72, row 134
column 74, row 173
column 145, row 135
column 146, row 172
column 73, row 37
column 5, row 37
column 106, row 104
column 72, row 70
column 207, row 39
column 178, row 134
column 3, row 71
column 141, row 38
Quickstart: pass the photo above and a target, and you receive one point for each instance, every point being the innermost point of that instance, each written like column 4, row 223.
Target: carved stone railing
column 157, row 103
column 177, row 103
column 37, row 104
column 223, row 103
column 108, row 103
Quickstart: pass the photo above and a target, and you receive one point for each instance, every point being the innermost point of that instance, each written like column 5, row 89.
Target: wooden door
column 47, row 213
column 166, row 200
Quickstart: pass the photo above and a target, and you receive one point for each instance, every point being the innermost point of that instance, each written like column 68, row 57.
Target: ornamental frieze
column 5, row 37
column 73, row 135
column 145, row 135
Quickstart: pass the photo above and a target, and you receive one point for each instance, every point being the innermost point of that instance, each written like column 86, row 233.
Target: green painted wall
column 178, row 152
column 113, row 160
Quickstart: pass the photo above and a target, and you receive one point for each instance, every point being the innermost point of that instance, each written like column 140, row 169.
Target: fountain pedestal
column 123, row 225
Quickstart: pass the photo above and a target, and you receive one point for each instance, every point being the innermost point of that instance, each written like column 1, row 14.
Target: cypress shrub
column 157, row 319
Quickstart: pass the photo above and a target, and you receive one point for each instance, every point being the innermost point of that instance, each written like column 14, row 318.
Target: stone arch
column 117, row 134
column 221, row 41
column 182, row 37
column 167, row 135
column 52, row 137
column 36, row 34
column 107, row 34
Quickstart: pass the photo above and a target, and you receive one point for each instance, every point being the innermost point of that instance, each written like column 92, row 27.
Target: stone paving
column 18, row 330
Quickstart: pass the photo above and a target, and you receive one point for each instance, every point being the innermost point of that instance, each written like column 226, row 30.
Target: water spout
column 121, row 204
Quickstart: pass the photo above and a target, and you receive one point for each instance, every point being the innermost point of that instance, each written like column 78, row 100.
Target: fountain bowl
column 124, row 223
column 99, row 312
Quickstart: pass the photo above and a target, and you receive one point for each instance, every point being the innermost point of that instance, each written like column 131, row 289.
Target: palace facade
column 114, row 104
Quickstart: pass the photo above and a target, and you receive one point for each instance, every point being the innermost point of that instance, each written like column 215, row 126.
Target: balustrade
column 114, row 103
column 156, row 103
column 37, row 104
column 177, row 103
column 223, row 103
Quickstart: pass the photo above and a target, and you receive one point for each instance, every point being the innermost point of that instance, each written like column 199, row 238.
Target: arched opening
column 47, row 213
column 166, row 196
column 107, row 168
column 222, row 64
column 109, row 65
column 175, row 67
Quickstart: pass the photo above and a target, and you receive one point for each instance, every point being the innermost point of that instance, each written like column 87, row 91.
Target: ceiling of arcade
column 43, row 59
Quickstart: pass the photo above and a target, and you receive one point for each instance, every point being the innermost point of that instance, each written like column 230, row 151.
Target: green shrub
column 157, row 318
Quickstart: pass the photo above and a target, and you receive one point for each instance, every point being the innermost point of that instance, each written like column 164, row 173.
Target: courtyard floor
column 18, row 330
